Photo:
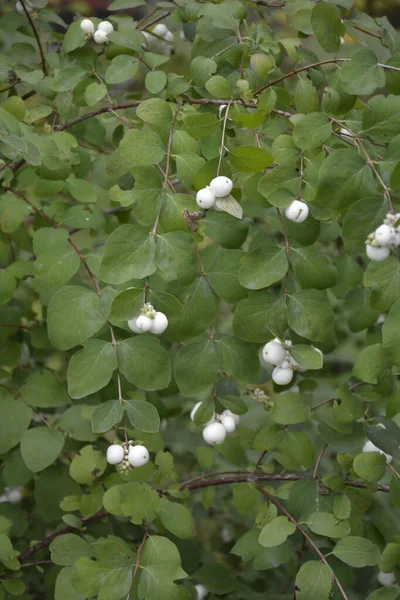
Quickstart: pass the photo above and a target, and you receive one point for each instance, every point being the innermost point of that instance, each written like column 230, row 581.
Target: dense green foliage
column 103, row 147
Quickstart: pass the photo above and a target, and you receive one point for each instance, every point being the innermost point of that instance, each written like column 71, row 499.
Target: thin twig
column 375, row 35
column 13, row 392
column 150, row 14
column 35, row 564
column 329, row 400
column 165, row 184
column 320, row 455
column 154, row 21
column 313, row 545
column 138, row 558
column 222, row 146
column 35, row 33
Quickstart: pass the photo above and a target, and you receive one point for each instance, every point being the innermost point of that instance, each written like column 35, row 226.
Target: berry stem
column 35, row 33
column 222, row 146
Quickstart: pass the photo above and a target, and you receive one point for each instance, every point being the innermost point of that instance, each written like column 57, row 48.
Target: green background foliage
column 103, row 148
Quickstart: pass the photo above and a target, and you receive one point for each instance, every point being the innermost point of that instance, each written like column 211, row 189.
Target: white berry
column 202, row 592
column 221, row 186
column 87, row 26
column 228, row 413
column 194, row 411
column 160, row 29
column 169, row 36
column 19, row 8
column 205, row 198
column 115, row 454
column 132, row 325
column 159, row 324
column 100, row 37
column 214, row 434
column 228, row 423
column 370, row 447
column 297, row 211
column 386, row 579
column 105, row 26
column 383, row 235
column 282, row 376
column 138, row 456
column 377, row 254
column 144, row 323
column 273, row 353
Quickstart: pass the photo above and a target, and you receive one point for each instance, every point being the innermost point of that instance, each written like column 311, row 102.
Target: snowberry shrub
column 199, row 302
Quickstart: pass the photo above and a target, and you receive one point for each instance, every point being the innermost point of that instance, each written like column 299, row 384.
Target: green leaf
column 370, row 362
column 176, row 255
column 260, row 317
column 8, row 556
column 144, row 362
column 142, row 147
column 73, row 316
column 156, row 581
column 249, row 159
column 370, row 466
column 276, row 532
column 307, row 356
column 54, row 268
column 219, row 87
column 155, row 111
column 188, row 166
column 44, row 390
column 387, row 593
column 95, row 92
column 67, row 78
column 82, row 190
column 73, row 38
column 310, row 315
column 357, row 552
column 127, row 37
column 66, row 549
column 201, row 125
column 143, row 415
column 201, row 68
column 326, row 524
column 217, row 578
column 314, row 580
column 121, row 4
column 176, row 518
column 128, row 254
column 91, row 369
column 390, row 329
column 200, row 309
column 134, row 500
column 312, row 268
column 384, row 279
column 342, row 507
column 40, row 447
column 312, row 131
column 87, row 465
column 227, row 231
column 234, row 403
column 155, row 81
column 121, row 68
column 222, row 268
column 362, row 75
column 327, row 26
column 263, row 267
column 106, row 415
column 15, row 419
column 290, row 408
column 344, row 178
column 363, row 217
column 196, row 367
column 238, row 359
column 381, row 120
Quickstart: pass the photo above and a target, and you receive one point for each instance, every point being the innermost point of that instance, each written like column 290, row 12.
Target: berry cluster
column 297, row 211
column 385, row 237
column 19, row 8
column 126, row 456
column 218, row 426
column 220, row 187
column 100, row 36
column 150, row 320
column 158, row 39
column 278, row 354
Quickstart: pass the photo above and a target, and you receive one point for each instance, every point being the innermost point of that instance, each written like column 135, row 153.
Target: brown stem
column 35, row 33
column 154, row 21
column 352, row 387
column 292, row 73
column 14, row 392
column 165, row 184
column 301, row 551
column 16, row 325
column 375, row 35
column 37, row 563
column 49, row 538
column 317, row 551
column 268, row 4
column 11, row 85
column 143, row 19
column 320, row 455
column 222, row 146
column 138, row 558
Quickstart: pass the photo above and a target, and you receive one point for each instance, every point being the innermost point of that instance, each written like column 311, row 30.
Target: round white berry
column 105, row 26
column 228, row 423
column 159, row 324
column 377, row 254
column 396, row 237
column 138, row 456
column 194, row 411
column 202, row 592
column 87, row 26
column 144, row 323
column 132, row 325
column 100, row 37
column 282, row 376
column 228, row 413
column 370, row 447
column 214, row 434
column 383, row 235
column 160, row 29
column 274, row 353
column 297, row 211
column 205, row 198
column 386, row 579
column 169, row 36
column 221, row 186
column 115, row 454
column 19, row 8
